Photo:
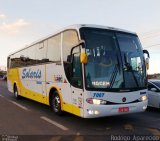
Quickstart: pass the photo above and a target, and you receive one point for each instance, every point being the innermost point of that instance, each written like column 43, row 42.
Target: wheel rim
column 56, row 104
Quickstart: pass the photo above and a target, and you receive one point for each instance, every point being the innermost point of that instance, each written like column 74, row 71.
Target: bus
column 87, row 70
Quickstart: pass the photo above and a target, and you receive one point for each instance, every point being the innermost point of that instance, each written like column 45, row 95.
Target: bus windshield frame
column 115, row 60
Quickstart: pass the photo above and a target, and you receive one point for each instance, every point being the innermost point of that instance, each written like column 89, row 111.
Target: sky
column 23, row 22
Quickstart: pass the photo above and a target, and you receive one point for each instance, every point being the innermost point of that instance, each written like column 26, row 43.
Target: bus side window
column 31, row 55
column 54, row 49
column 40, row 52
column 8, row 62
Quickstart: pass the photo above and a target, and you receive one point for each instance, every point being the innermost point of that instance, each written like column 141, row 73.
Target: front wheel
column 56, row 104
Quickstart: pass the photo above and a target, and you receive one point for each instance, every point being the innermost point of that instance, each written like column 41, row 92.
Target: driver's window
column 71, row 55
column 70, row 39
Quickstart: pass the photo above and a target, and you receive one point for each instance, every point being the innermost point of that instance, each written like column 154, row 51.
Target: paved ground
column 28, row 120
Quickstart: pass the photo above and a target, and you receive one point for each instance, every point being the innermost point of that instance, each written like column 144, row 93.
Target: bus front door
column 76, row 84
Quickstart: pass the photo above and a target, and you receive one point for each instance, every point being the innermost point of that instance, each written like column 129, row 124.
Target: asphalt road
column 28, row 120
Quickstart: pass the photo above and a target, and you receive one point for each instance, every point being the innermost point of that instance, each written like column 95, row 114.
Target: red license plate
column 123, row 109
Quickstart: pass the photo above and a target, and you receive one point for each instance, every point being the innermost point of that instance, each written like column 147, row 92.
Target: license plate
column 123, row 109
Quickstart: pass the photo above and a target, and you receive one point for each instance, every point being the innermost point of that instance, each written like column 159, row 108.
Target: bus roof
column 76, row 27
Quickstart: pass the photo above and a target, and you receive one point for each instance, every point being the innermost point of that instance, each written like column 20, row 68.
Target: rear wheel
column 16, row 92
column 56, row 104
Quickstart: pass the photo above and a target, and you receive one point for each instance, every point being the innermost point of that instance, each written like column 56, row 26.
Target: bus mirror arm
column 83, row 55
column 81, row 42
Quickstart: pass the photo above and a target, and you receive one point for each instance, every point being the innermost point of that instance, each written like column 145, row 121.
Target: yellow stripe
column 23, row 91
column 72, row 109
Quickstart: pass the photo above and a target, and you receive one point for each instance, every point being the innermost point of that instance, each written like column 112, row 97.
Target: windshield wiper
column 129, row 69
column 113, row 76
column 115, row 72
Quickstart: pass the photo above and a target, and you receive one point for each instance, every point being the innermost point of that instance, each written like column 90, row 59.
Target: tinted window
column 76, row 78
column 9, row 62
column 70, row 39
column 103, row 67
column 157, row 83
column 31, row 58
column 150, row 86
column 54, row 48
column 18, row 59
column 133, row 61
column 71, row 56
column 40, row 53
column 14, row 61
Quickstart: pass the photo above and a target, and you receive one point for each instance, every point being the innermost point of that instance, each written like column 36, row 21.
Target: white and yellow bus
column 87, row 70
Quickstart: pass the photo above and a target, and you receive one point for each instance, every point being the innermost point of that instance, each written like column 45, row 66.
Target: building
column 154, row 76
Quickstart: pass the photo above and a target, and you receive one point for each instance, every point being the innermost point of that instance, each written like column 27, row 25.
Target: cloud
column 2, row 16
column 14, row 27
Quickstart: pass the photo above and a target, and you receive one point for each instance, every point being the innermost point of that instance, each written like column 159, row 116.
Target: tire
column 16, row 95
column 56, row 104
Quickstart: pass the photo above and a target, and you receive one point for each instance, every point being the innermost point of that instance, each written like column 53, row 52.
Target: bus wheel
column 16, row 92
column 56, row 104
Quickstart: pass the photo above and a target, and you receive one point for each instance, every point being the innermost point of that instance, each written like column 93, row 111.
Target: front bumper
column 95, row 111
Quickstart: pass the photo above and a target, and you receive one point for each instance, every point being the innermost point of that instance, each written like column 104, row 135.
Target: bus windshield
column 115, row 60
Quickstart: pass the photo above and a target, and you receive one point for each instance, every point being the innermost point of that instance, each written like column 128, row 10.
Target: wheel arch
column 52, row 91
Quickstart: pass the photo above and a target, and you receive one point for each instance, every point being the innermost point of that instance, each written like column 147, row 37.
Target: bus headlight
column 143, row 98
column 96, row 101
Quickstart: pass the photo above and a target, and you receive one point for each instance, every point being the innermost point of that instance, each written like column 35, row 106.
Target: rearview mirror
column 83, row 56
column 153, row 89
column 146, row 52
column 147, row 63
column 147, row 58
